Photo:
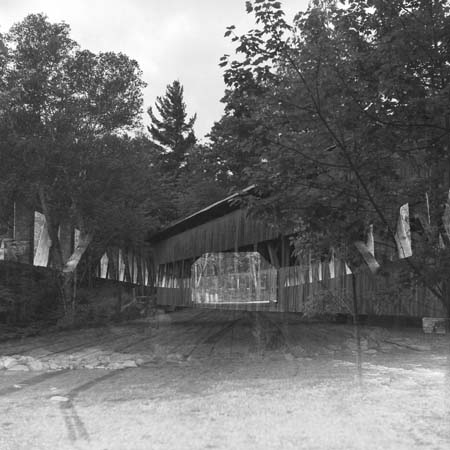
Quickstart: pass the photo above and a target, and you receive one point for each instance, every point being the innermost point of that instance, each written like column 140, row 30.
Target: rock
column 37, row 365
column 128, row 364
column 115, row 366
column 104, row 359
column 25, row 359
column 175, row 357
column 8, row 361
column 53, row 366
column 140, row 361
column 59, row 398
column 19, row 368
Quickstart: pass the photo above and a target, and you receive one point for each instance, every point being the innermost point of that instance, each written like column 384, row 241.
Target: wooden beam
column 273, row 255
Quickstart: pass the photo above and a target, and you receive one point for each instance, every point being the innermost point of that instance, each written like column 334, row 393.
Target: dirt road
column 228, row 380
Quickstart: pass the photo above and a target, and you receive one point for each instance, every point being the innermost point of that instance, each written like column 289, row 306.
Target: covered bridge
column 223, row 257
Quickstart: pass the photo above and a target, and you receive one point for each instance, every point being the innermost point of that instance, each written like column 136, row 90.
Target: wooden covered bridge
column 223, row 257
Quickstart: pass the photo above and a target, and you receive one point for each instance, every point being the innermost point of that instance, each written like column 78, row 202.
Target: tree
column 198, row 185
column 347, row 116
column 173, row 132
column 63, row 124
column 232, row 153
column 185, row 164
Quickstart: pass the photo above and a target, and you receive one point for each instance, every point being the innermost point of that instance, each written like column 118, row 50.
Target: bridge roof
column 210, row 212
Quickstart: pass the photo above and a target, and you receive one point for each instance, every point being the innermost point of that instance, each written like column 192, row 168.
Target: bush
column 27, row 294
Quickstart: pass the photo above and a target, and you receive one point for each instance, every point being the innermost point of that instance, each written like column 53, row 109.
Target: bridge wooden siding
column 232, row 231
column 378, row 295
column 324, row 286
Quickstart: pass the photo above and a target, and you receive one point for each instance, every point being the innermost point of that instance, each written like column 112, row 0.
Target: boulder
column 59, row 399
column 54, row 366
column 37, row 365
column 8, row 361
column 114, row 366
column 176, row 357
column 19, row 368
column 128, row 364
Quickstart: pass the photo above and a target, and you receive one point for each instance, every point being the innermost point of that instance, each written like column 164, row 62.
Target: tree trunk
column 66, row 269
column 69, row 282
column 82, row 245
column 368, row 256
column 355, row 300
column 446, row 297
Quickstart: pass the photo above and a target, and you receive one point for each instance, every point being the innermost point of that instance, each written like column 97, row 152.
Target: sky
column 171, row 40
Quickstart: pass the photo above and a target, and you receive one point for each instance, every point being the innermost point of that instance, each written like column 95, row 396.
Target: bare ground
column 220, row 380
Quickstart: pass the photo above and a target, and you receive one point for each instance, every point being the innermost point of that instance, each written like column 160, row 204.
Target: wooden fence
column 314, row 290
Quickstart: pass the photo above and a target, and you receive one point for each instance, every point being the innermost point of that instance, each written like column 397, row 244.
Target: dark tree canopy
column 64, row 114
column 172, row 131
column 188, row 167
column 63, row 104
column 342, row 117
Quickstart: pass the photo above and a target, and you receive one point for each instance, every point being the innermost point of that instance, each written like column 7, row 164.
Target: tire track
column 85, row 344
column 286, row 341
column 210, row 336
column 37, row 379
column 76, row 429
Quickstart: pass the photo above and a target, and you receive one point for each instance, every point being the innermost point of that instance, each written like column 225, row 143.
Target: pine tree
column 173, row 132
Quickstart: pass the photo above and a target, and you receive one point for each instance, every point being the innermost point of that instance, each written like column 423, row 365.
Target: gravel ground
column 222, row 380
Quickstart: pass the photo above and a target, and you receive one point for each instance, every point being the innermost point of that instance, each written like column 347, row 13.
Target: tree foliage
column 197, row 185
column 186, row 165
column 344, row 116
column 172, row 131
column 64, row 115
